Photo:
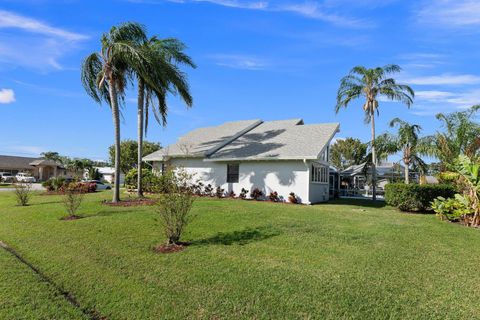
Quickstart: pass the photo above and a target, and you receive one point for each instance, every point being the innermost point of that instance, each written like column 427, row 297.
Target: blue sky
column 256, row 59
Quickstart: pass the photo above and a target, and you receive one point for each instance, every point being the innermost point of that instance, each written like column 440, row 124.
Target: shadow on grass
column 242, row 237
column 358, row 202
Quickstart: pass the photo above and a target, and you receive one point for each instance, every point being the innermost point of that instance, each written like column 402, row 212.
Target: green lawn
column 247, row 260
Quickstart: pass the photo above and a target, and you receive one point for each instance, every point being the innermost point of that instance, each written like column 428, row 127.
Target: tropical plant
column 273, row 196
column 347, row 152
column 243, row 194
column 371, row 84
column 94, row 174
column 470, row 184
column 106, row 74
column 452, row 209
column 163, row 76
column 129, row 155
column 408, row 142
column 461, row 136
column 256, row 194
column 292, row 197
column 219, row 192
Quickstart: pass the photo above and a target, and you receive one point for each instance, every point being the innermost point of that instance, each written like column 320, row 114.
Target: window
column 232, row 173
column 319, row 174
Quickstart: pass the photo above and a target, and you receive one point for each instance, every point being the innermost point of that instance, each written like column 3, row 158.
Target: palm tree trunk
column 374, row 160
column 407, row 172
column 116, row 128
column 141, row 98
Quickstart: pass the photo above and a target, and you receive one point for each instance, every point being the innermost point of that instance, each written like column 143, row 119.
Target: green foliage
column 128, row 156
column 347, row 152
column 174, row 206
column 23, row 192
column 452, row 209
column 448, row 177
column 54, row 183
column 94, row 174
column 150, row 181
column 414, row 197
column 73, row 195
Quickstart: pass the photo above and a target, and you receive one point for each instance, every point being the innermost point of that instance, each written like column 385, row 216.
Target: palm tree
column 370, row 84
column 163, row 76
column 106, row 74
column 461, row 136
column 408, row 142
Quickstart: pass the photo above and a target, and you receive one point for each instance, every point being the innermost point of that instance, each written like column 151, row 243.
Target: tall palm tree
column 163, row 76
column 105, row 75
column 408, row 142
column 370, row 84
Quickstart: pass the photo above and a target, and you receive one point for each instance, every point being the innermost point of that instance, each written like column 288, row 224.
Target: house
column 41, row 169
column 283, row 156
column 108, row 174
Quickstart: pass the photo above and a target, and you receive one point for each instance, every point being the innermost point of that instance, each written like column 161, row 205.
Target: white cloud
column 309, row 9
column 445, row 79
column 450, row 13
column 238, row 61
column 7, row 96
column 12, row 20
column 38, row 46
column 433, row 102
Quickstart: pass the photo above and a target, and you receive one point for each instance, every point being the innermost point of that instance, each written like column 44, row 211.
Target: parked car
column 25, row 177
column 100, row 185
column 7, row 177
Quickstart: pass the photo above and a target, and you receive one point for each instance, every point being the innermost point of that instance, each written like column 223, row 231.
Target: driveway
column 35, row 187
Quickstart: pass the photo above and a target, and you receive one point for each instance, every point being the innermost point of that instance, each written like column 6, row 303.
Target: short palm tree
column 105, row 75
column 370, row 84
column 461, row 136
column 163, row 76
column 408, row 142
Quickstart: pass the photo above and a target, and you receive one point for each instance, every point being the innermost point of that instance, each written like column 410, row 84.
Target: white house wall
column 283, row 177
column 318, row 192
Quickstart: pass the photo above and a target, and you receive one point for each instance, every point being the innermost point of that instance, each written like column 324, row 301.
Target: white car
column 24, row 177
column 6, row 177
column 100, row 185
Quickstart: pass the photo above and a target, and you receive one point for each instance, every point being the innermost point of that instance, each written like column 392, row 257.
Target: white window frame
column 319, row 174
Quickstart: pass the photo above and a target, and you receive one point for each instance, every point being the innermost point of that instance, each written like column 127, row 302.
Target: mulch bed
column 130, row 203
column 170, row 248
column 69, row 218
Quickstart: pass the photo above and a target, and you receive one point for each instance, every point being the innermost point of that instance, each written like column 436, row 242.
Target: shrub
column 219, row 192
column 273, row 196
column 415, row 197
column 231, row 194
column 94, row 174
column 243, row 193
column 293, row 198
column 174, row 208
column 256, row 194
column 150, row 181
column 73, row 196
column 208, row 190
column 448, row 177
column 197, row 189
column 54, row 183
column 23, row 193
column 452, row 209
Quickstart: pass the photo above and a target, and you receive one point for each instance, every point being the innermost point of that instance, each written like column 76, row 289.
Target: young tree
column 347, row 152
column 370, row 84
column 163, row 77
column 106, row 74
column 129, row 156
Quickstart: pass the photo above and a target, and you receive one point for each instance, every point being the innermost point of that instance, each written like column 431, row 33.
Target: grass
column 247, row 260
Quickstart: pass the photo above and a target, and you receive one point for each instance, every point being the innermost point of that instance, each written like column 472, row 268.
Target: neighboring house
column 355, row 177
column 108, row 174
column 283, row 156
column 41, row 169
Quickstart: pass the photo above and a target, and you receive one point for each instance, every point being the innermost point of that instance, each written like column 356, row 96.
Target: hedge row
column 415, row 197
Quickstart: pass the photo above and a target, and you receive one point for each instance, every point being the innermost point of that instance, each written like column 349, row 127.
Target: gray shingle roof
column 252, row 140
column 12, row 162
column 279, row 140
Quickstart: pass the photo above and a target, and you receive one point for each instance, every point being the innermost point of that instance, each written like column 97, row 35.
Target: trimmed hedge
column 415, row 197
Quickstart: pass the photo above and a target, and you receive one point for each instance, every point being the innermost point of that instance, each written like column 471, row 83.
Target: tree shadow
column 357, row 202
column 241, row 238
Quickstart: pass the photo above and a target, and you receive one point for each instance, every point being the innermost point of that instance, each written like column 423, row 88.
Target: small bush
column 448, row 177
column 219, row 192
column 415, row 197
column 208, row 190
column 174, row 207
column 150, row 181
column 256, row 194
column 273, row 196
column 231, row 194
column 452, row 209
column 243, row 193
column 23, row 192
column 54, row 183
column 73, row 196
column 292, row 197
